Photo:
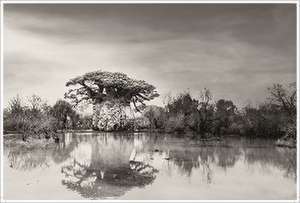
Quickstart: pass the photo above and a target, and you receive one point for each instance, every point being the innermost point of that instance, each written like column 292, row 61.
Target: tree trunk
column 111, row 115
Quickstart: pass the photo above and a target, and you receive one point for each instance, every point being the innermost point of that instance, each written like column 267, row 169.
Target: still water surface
column 148, row 166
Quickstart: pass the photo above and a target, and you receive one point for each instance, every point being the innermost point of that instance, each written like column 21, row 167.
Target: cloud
column 235, row 50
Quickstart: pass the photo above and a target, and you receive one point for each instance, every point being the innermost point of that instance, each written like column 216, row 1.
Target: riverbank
column 205, row 141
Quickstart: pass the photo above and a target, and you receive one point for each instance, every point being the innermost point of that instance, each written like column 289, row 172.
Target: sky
column 235, row 50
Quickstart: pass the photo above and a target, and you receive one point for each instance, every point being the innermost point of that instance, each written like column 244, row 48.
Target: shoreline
column 278, row 142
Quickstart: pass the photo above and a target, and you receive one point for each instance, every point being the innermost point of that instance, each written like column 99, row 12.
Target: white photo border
column 6, row 2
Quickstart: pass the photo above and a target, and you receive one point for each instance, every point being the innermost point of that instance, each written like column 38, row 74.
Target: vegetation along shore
column 119, row 105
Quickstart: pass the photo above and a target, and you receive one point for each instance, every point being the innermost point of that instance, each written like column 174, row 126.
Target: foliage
column 141, row 123
column 186, row 113
column 181, row 113
column 156, row 116
column 33, row 120
column 225, row 114
column 264, row 121
column 65, row 115
column 275, row 118
column 183, row 103
column 85, row 122
column 205, row 112
column 284, row 98
column 175, row 123
column 99, row 86
column 12, row 116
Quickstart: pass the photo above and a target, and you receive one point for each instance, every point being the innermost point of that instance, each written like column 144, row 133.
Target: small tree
column 285, row 99
column 12, row 116
column 62, row 111
column 224, row 115
column 181, row 113
column 205, row 112
column 155, row 115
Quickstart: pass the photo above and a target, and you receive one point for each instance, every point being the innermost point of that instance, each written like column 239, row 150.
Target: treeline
column 275, row 118
column 35, row 118
column 182, row 114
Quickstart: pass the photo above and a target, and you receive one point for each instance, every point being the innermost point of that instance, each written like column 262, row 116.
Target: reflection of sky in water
column 98, row 167
column 237, row 183
column 83, row 153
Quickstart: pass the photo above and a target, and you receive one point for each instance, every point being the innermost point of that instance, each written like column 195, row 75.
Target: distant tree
column 36, row 103
column 181, row 113
column 224, row 115
column 264, row 121
column 62, row 111
column 15, row 106
column 155, row 115
column 284, row 97
column 184, row 104
column 185, row 112
column 205, row 112
column 12, row 115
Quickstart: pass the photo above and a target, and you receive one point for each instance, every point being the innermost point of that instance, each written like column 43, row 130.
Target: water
column 148, row 166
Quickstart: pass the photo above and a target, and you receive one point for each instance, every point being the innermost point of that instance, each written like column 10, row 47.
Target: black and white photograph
column 121, row 101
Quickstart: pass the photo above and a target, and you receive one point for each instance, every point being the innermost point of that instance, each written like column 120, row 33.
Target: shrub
column 85, row 122
column 156, row 116
column 65, row 114
column 175, row 123
column 141, row 123
column 42, row 126
column 33, row 120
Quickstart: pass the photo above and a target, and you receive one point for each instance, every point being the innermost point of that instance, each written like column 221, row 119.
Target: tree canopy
column 99, row 86
column 284, row 97
column 61, row 111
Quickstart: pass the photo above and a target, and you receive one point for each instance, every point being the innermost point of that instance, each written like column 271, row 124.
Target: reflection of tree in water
column 38, row 153
column 63, row 149
column 227, row 153
column 27, row 159
column 283, row 158
column 98, row 166
column 108, row 172
column 227, row 157
column 24, row 156
column 204, row 158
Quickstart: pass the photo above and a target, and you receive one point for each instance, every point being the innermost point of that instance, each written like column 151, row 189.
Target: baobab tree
column 110, row 93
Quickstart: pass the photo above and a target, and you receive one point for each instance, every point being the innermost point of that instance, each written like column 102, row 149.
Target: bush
column 85, row 122
column 175, row 123
column 42, row 126
column 33, row 120
column 65, row 115
column 155, row 116
column 184, row 113
column 141, row 123
column 265, row 121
